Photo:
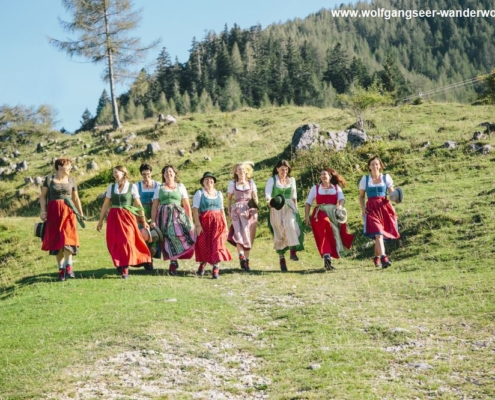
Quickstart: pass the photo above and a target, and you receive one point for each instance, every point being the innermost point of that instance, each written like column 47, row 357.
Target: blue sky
column 32, row 72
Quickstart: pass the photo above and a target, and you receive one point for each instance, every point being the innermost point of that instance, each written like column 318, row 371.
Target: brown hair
column 335, row 177
column 61, row 162
column 173, row 169
column 382, row 165
column 145, row 167
column 281, row 163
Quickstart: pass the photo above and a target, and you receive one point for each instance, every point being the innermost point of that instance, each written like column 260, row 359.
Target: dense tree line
column 311, row 61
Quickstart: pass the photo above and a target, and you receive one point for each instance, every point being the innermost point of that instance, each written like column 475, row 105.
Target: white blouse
column 334, row 189
column 388, row 181
column 269, row 187
column 134, row 190
column 200, row 192
column 230, row 189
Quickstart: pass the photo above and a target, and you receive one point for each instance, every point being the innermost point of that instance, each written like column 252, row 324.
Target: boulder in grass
column 449, row 144
column 153, row 148
column 92, row 166
column 28, row 180
column 38, row 181
column 486, row 149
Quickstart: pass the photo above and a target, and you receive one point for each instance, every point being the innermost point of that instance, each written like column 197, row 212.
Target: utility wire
column 443, row 89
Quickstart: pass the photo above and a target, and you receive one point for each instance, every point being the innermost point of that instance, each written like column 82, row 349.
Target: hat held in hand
column 156, row 235
column 146, row 234
column 397, row 195
column 277, row 202
column 341, row 215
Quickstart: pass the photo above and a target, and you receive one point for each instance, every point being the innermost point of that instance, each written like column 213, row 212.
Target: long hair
column 281, row 163
column 382, row 165
column 247, row 165
column 123, row 169
column 336, row 178
column 173, row 169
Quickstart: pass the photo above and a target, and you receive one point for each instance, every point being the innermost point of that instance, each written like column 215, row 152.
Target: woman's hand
column 152, row 225
column 199, row 230
column 99, row 226
column 307, row 220
column 43, row 216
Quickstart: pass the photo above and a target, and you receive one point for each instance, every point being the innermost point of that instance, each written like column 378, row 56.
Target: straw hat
column 341, row 215
column 397, row 195
column 277, row 202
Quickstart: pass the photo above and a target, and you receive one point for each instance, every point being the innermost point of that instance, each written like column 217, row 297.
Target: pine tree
column 87, row 122
column 103, row 25
column 337, row 72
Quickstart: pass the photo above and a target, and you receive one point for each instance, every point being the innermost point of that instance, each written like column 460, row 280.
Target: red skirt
column 210, row 246
column 60, row 227
column 381, row 219
column 324, row 236
column 124, row 241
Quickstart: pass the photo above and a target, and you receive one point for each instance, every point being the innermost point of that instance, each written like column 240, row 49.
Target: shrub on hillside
column 208, row 140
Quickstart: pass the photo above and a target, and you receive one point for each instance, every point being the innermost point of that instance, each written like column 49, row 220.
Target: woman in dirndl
column 242, row 212
column 211, row 226
column 331, row 237
column 380, row 219
column 124, row 240
column 285, row 224
column 171, row 213
column 60, row 204
column 146, row 188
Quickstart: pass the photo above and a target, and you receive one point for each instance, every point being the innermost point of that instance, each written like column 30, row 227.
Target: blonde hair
column 123, row 169
column 247, row 165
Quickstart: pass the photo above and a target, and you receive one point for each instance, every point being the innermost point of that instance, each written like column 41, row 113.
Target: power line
column 443, row 89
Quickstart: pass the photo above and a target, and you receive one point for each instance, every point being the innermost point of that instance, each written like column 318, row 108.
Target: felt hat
column 208, row 175
column 146, row 234
column 39, row 229
column 156, row 235
column 397, row 195
column 341, row 215
column 277, row 202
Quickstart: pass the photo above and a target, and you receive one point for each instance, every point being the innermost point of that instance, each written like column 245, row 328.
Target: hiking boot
column 201, row 269
column 385, row 262
column 61, row 274
column 376, row 261
column 293, row 255
column 242, row 262
column 172, row 270
column 215, row 272
column 125, row 272
column 283, row 264
column 247, row 269
column 328, row 263
column 148, row 266
column 69, row 272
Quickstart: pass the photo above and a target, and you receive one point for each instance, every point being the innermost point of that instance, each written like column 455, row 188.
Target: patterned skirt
column 330, row 236
column 211, row 244
column 60, row 228
column 381, row 219
column 287, row 228
column 124, row 241
column 243, row 228
column 178, row 234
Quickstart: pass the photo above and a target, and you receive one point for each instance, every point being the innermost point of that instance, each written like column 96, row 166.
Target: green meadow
column 422, row 329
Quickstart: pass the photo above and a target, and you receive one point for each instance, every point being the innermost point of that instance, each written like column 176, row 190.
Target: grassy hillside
column 421, row 329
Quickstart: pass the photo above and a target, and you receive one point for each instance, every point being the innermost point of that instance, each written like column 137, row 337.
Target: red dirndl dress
column 210, row 245
column 381, row 219
column 322, row 227
column 60, row 228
